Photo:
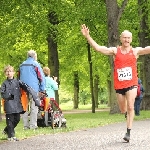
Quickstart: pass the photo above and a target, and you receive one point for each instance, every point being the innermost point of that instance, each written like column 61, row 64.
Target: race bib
column 124, row 73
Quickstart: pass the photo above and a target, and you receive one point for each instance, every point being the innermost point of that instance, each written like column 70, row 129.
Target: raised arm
column 54, row 84
column 102, row 49
column 143, row 51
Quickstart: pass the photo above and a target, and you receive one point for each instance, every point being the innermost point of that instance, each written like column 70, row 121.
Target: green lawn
column 69, row 106
column 79, row 121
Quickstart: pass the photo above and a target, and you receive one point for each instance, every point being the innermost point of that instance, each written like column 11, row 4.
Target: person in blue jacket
column 138, row 99
column 31, row 73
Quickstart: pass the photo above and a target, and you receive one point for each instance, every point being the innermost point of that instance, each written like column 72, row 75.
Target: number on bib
column 124, row 73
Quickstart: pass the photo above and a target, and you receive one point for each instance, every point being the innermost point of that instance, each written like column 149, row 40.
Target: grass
column 69, row 106
column 78, row 121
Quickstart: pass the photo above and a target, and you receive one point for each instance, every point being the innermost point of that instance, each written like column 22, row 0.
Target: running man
column 125, row 71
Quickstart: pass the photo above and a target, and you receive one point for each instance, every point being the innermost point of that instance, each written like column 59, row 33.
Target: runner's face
column 126, row 39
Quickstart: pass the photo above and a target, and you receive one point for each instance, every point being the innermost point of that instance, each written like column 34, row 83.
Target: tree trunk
column 113, row 16
column 0, row 110
column 53, row 61
column 144, row 41
column 146, row 98
column 76, row 90
column 113, row 38
column 96, row 83
column 91, row 77
column 109, row 91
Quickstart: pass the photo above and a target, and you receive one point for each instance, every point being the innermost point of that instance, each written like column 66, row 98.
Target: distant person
column 138, row 99
column 51, row 87
column 31, row 73
column 51, row 83
column 11, row 94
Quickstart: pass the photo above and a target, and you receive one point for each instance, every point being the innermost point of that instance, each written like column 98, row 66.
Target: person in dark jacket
column 138, row 99
column 11, row 94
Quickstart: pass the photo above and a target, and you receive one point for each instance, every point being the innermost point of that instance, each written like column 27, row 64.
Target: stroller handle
column 44, row 93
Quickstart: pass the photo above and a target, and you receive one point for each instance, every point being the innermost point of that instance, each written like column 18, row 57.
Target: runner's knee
column 130, row 108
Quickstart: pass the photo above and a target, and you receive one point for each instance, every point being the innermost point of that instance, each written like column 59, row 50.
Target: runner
column 125, row 71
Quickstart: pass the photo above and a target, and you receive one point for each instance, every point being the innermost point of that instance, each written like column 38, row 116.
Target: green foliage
column 25, row 25
column 73, row 47
column 130, row 21
column 84, row 97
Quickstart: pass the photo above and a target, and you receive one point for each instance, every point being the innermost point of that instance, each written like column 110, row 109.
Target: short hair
column 32, row 53
column 8, row 67
column 46, row 71
column 126, row 31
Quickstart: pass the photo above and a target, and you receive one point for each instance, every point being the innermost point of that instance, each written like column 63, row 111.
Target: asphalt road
column 108, row 137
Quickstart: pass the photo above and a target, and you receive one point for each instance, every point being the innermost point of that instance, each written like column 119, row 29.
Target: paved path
column 102, row 138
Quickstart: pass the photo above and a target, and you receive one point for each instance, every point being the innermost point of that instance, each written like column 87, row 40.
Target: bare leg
column 122, row 103
column 130, row 96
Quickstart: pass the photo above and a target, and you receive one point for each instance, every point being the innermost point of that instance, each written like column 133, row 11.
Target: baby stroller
column 49, row 113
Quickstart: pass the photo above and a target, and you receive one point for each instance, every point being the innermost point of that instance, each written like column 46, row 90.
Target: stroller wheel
column 60, row 122
column 64, row 126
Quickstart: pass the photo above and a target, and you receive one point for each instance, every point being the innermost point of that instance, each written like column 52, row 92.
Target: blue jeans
column 137, row 103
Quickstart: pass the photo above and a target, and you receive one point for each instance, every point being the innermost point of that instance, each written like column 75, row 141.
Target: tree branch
column 124, row 3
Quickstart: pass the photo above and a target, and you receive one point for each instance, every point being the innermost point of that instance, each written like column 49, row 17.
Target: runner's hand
column 84, row 30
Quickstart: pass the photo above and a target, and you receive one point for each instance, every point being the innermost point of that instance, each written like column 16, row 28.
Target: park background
column 53, row 29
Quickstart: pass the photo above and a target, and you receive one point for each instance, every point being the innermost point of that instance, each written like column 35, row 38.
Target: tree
column 144, row 40
column 0, row 110
column 114, row 13
column 76, row 90
column 96, row 89
column 91, row 77
column 53, row 60
column 53, row 30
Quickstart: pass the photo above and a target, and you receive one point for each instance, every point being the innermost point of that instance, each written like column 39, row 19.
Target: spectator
column 138, row 99
column 31, row 73
column 51, row 86
column 11, row 94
